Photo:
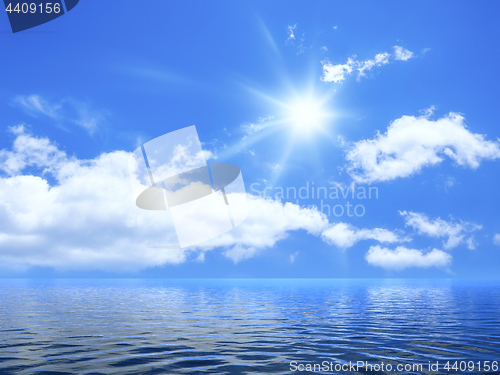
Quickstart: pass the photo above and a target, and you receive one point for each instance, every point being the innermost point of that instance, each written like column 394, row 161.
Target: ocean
column 249, row 326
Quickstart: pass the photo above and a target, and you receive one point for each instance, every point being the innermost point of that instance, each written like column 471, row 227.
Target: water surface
column 241, row 326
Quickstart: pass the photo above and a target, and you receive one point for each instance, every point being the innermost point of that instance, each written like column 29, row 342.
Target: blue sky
column 400, row 98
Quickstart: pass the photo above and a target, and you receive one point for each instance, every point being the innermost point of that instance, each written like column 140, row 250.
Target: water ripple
column 241, row 326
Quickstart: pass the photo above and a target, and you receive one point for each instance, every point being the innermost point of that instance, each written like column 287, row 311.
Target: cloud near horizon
column 66, row 213
column 402, row 258
column 455, row 234
column 85, row 217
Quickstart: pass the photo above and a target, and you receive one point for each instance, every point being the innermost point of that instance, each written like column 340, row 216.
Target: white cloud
column 255, row 127
column 345, row 235
column 471, row 243
column 412, row 143
column 455, row 232
column 29, row 151
column 428, row 112
column 337, row 73
column 446, row 182
column 496, row 239
column 63, row 112
column 402, row 258
column 268, row 222
column 276, row 167
column 367, row 65
column 293, row 40
column 291, row 29
column 86, row 218
column 35, row 104
column 240, row 253
column 402, row 54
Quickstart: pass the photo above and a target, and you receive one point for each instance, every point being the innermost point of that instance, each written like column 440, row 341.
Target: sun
column 298, row 118
column 306, row 115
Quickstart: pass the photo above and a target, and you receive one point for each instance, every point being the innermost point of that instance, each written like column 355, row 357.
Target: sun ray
column 283, row 161
column 269, row 128
column 302, row 113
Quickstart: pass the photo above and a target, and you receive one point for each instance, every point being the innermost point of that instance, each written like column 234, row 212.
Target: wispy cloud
column 255, row 127
column 293, row 257
column 496, row 239
column 64, row 112
column 456, row 233
column 150, row 72
column 294, row 39
column 380, row 59
column 337, row 73
column 291, row 34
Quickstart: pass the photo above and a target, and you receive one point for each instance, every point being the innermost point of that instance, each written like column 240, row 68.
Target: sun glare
column 306, row 115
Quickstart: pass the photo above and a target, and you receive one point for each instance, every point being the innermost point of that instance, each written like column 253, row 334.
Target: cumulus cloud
column 64, row 112
column 268, row 222
column 496, row 239
column 412, row 143
column 337, row 73
column 455, row 233
column 62, row 212
column 402, row 258
column 345, row 235
column 85, row 217
column 28, row 151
